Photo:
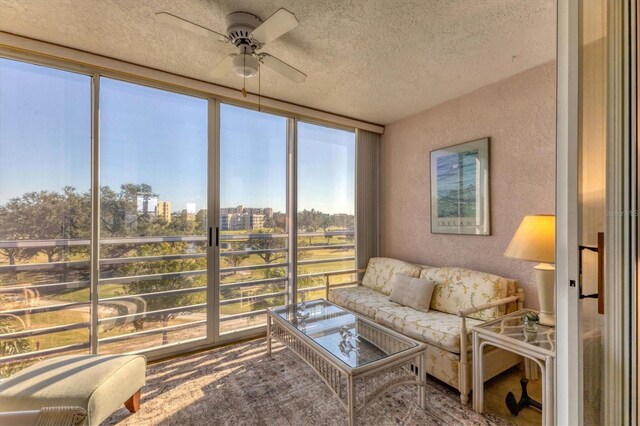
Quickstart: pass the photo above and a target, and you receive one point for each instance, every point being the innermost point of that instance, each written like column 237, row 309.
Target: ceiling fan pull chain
column 259, row 87
column 244, row 72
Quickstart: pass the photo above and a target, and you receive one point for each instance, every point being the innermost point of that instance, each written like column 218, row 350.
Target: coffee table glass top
column 347, row 337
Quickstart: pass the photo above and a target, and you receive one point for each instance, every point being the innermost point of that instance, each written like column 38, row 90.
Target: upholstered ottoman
column 98, row 383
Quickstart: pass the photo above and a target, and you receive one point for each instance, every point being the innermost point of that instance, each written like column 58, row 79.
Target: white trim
column 91, row 63
column 292, row 209
column 94, row 332
column 569, row 362
column 213, row 219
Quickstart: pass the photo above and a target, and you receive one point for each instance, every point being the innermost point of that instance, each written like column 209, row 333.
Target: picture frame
column 460, row 199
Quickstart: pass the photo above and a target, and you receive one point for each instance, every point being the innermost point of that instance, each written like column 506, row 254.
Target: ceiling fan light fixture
column 245, row 65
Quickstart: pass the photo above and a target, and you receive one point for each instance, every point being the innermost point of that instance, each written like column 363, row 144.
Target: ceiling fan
column 248, row 34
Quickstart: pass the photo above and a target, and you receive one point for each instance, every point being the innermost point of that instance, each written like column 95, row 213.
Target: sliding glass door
column 153, row 217
column 254, row 251
column 106, row 244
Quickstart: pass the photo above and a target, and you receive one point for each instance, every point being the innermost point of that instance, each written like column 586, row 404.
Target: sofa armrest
column 464, row 312
column 504, row 301
column 328, row 275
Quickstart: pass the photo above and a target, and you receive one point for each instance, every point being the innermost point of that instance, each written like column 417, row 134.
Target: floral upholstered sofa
column 462, row 298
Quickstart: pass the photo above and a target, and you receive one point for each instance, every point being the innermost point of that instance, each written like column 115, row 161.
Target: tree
column 273, row 287
column 234, row 260
column 308, row 220
column 201, row 222
column 119, row 215
column 181, row 224
column 43, row 215
column 280, row 220
column 266, row 247
column 11, row 229
column 308, row 282
column 270, row 223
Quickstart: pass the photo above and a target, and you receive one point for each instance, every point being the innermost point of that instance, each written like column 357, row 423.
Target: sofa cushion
column 362, row 300
column 459, row 288
column 412, row 292
column 100, row 384
column 381, row 270
column 436, row 328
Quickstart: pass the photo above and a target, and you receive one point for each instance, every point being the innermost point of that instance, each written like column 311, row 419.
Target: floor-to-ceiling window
column 153, row 217
column 45, row 213
column 253, row 216
column 91, row 164
column 326, row 207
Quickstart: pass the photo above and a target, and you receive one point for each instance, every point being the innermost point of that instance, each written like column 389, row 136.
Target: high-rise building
column 163, row 211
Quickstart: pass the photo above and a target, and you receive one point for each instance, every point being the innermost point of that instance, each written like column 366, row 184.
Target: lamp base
column 545, row 280
column 547, row 319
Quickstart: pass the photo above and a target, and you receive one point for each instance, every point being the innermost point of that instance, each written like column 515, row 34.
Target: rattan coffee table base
column 354, row 388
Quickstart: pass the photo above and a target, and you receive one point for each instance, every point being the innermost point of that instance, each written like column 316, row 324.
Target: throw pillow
column 412, row 292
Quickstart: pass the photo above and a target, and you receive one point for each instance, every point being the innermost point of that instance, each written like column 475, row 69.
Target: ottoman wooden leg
column 133, row 403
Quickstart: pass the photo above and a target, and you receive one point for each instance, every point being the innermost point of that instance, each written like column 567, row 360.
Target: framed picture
column 460, row 189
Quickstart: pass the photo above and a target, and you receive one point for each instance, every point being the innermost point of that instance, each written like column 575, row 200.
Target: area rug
column 240, row 385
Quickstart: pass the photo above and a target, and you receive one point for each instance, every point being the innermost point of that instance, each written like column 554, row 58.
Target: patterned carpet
column 240, row 385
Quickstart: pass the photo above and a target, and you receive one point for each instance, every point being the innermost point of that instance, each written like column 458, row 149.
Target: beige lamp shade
column 534, row 240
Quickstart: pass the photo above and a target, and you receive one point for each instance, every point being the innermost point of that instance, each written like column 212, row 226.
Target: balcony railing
column 32, row 290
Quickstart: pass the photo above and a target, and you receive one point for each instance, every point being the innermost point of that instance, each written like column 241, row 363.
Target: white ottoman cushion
column 98, row 383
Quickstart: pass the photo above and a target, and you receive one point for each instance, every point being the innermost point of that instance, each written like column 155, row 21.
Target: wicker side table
column 509, row 333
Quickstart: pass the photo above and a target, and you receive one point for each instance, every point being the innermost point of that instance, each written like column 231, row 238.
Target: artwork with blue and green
column 457, row 184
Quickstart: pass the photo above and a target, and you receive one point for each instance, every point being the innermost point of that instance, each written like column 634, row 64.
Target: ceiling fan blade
column 279, row 23
column 223, row 67
column 285, row 69
column 176, row 21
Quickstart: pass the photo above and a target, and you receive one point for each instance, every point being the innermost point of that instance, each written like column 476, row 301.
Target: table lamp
column 535, row 241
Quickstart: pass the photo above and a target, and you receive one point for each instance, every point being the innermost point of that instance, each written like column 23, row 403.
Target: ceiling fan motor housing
column 240, row 25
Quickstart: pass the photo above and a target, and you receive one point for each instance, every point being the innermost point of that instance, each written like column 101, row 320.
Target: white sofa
column 462, row 298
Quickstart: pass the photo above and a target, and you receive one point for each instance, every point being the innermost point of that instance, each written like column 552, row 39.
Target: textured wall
column 518, row 114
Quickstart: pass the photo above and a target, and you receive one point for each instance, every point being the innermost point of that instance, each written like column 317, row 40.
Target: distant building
column 163, row 211
column 244, row 218
column 256, row 221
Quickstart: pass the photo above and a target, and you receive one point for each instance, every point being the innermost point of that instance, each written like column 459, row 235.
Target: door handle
column 211, row 236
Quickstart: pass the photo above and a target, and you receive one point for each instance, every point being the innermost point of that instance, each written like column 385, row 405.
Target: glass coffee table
column 357, row 358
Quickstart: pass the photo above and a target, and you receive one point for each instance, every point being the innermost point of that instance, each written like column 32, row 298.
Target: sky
column 160, row 138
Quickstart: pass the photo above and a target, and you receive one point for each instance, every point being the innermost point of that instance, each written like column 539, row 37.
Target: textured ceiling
column 375, row 60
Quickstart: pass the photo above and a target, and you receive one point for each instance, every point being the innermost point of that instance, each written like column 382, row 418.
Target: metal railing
column 57, row 267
